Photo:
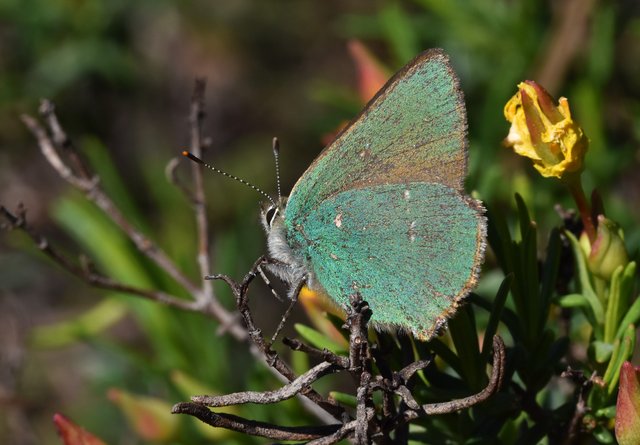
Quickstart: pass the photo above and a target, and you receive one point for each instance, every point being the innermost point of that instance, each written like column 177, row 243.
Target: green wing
column 411, row 250
column 414, row 130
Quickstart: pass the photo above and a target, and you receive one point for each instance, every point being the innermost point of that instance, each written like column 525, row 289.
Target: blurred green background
column 121, row 74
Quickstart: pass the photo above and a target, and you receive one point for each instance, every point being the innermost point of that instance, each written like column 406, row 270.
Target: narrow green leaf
column 596, row 314
column 318, row 339
column 499, row 239
column 447, row 355
column 531, row 310
column 631, row 317
column 621, row 353
column 613, row 306
column 550, row 267
column 100, row 317
column 495, row 316
column 609, row 412
column 344, row 399
column 463, row 332
column 508, row 316
column 397, row 27
column 603, row 435
column 572, row 300
column 602, row 351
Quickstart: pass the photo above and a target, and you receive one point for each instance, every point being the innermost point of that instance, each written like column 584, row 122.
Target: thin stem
column 255, row 428
column 265, row 397
column 196, row 118
column 89, row 276
column 575, row 187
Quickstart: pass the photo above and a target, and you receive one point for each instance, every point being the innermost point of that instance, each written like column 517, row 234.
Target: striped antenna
column 275, row 145
column 197, row 160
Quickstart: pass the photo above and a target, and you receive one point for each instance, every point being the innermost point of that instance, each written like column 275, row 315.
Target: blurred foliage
column 121, row 73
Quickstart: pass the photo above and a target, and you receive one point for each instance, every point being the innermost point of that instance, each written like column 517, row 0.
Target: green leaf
column 632, row 317
column 499, row 239
column 572, row 301
column 596, row 313
column 495, row 316
column 344, row 399
column 463, row 332
column 609, row 412
column 612, row 313
column 447, row 355
column 318, row 339
column 624, row 286
column 100, row 317
column 603, row 435
column 508, row 316
column 602, row 351
column 397, row 27
column 550, row 270
column 623, row 351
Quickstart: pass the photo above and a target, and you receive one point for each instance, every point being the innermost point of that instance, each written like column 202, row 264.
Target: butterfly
column 382, row 210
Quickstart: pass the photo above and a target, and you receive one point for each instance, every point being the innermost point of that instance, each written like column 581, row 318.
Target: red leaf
column 628, row 406
column 372, row 75
column 72, row 434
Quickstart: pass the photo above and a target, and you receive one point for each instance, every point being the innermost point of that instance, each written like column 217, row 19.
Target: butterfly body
column 382, row 211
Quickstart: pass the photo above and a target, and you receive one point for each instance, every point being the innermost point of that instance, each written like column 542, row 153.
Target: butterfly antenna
column 197, row 160
column 275, row 145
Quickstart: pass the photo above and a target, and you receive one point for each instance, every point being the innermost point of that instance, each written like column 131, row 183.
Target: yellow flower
column 544, row 132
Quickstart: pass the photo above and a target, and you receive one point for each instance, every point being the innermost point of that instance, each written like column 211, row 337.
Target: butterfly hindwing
column 411, row 250
column 414, row 130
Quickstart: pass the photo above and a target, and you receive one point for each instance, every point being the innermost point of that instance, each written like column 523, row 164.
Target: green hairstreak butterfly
column 382, row 210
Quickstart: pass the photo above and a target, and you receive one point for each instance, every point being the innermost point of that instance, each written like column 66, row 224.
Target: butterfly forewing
column 413, row 130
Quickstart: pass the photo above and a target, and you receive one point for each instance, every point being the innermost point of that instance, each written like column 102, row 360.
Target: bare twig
column 239, row 290
column 62, row 141
column 88, row 183
column 495, row 382
column 19, row 222
column 252, row 427
column 336, row 437
column 407, row 372
column 286, row 392
column 196, row 117
column 82, row 179
column 95, row 194
column 366, row 426
column 322, row 354
column 584, row 384
column 170, row 172
column 51, row 154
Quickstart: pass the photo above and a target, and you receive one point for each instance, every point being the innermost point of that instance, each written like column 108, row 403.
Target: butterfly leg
column 268, row 283
column 293, row 296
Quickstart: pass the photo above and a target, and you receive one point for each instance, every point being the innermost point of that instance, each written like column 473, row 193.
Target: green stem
column 575, row 186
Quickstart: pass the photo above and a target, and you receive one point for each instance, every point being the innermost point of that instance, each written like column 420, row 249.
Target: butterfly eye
column 271, row 215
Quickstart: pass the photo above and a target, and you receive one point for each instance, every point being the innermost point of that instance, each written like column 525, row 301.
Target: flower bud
column 607, row 251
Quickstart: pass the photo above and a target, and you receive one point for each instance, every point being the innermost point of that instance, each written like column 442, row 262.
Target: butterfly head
column 272, row 219
column 272, row 215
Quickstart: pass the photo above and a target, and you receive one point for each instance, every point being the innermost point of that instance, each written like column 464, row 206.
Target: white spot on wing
column 411, row 233
column 407, row 195
column 338, row 220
